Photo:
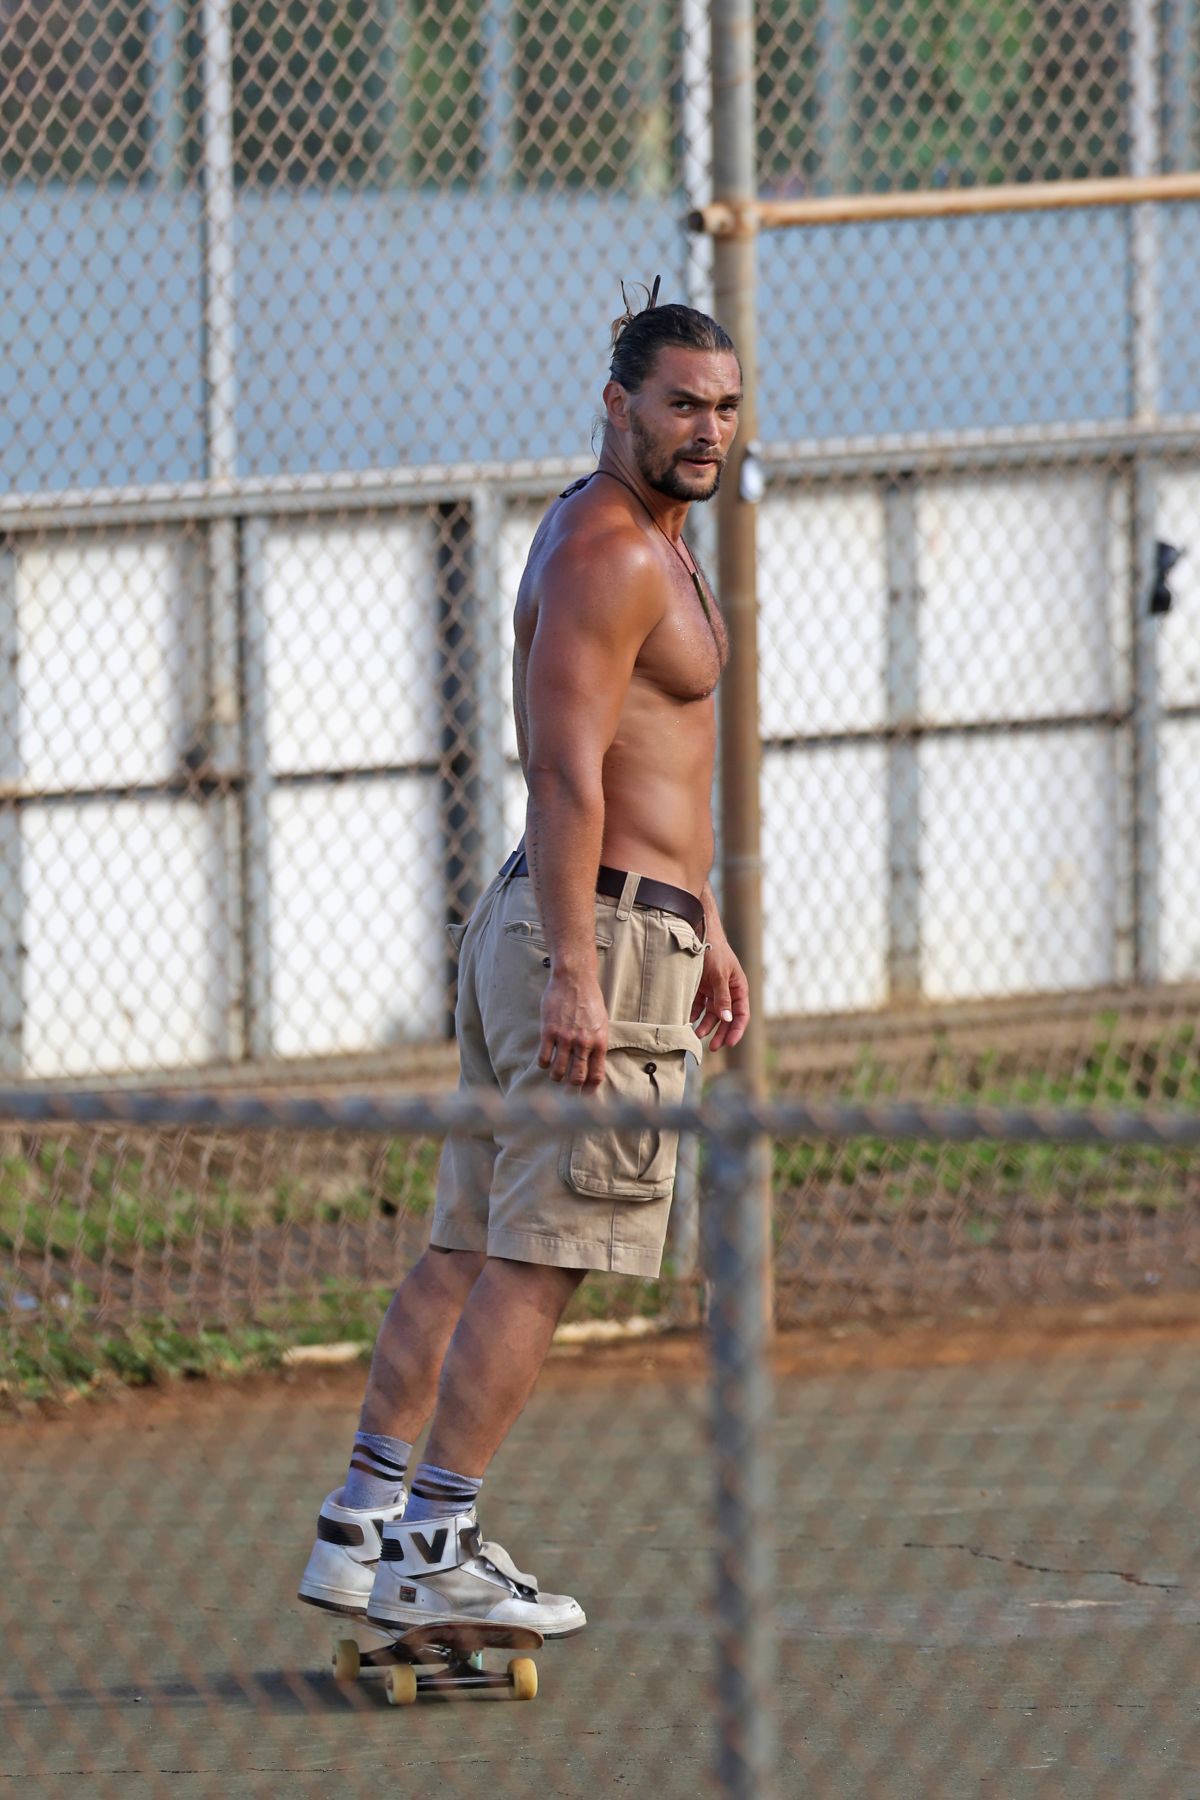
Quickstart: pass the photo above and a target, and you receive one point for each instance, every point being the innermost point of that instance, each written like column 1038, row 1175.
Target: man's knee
column 452, row 1268
column 545, row 1284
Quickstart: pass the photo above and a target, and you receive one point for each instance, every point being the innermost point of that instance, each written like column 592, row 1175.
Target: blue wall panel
column 101, row 370
column 384, row 329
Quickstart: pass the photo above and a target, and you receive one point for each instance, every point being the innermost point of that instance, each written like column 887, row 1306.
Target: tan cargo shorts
column 600, row 1199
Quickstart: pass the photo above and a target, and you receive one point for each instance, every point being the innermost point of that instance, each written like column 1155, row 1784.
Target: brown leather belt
column 659, row 895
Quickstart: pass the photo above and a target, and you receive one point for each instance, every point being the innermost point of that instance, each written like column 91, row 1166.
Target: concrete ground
column 989, row 1581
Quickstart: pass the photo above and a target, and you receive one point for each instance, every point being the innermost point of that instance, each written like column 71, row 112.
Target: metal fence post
column 219, row 264
column 164, row 34
column 737, row 1251
column 903, row 779
column 734, row 295
column 734, row 298
column 1144, row 308
column 12, row 899
column 697, row 147
column 254, row 870
column 834, row 90
column 496, row 96
column 491, row 665
column 222, row 750
column 1179, row 82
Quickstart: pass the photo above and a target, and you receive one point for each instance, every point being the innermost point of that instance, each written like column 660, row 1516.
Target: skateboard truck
column 444, row 1662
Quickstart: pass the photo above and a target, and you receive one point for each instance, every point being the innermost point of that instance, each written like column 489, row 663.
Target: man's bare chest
column 686, row 652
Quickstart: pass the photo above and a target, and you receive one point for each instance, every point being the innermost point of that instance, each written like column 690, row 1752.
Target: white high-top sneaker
column 441, row 1572
column 343, row 1561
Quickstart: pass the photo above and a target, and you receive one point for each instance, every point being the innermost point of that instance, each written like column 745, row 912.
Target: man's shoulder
column 592, row 569
column 598, row 530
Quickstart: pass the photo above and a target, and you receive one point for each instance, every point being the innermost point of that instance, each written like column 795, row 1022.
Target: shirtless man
column 596, row 959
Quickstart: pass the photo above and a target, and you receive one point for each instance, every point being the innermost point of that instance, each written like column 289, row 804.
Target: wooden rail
column 721, row 220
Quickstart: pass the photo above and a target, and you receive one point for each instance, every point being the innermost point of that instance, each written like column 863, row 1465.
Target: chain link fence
column 305, row 318
column 932, row 1520
column 297, row 296
column 304, row 315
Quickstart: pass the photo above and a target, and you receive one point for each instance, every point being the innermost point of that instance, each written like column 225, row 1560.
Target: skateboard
column 444, row 1662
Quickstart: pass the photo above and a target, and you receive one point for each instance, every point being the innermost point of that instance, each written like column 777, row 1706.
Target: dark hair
column 637, row 337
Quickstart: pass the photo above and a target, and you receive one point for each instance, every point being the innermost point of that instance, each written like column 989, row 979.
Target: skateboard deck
column 444, row 1661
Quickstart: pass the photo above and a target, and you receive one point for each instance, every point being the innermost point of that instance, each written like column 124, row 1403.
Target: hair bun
column 629, row 315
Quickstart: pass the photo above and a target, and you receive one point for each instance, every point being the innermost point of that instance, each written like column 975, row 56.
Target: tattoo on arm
column 531, row 853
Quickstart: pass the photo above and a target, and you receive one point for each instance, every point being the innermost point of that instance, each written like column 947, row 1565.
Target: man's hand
column 574, row 1031
column 723, row 1001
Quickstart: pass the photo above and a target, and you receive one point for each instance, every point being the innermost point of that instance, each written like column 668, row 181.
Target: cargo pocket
column 682, row 974
column 686, row 938
column 647, row 1064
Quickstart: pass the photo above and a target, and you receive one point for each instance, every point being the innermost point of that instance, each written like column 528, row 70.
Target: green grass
column 74, row 1357
column 109, row 1199
column 1110, row 1074
column 78, row 1360
column 66, row 1200
column 94, row 1199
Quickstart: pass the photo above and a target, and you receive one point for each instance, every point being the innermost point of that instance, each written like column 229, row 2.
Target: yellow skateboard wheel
column 347, row 1660
column 402, row 1684
column 522, row 1672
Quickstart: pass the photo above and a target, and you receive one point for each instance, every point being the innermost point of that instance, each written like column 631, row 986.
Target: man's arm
column 723, row 998
column 599, row 602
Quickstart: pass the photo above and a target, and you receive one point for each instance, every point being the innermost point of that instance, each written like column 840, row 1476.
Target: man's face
column 683, row 420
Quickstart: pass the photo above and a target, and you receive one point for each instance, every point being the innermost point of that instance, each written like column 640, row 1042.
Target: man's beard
column 661, row 473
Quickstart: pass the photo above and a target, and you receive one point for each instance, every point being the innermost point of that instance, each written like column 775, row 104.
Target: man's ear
column 616, row 405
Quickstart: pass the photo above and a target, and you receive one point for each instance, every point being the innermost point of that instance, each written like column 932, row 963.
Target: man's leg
column 401, row 1391
column 433, row 1563
column 494, row 1358
column 403, row 1383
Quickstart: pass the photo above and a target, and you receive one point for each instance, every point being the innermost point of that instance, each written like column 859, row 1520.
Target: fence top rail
column 723, row 219
column 888, row 454
column 726, row 1113
column 1079, row 443
column 181, row 502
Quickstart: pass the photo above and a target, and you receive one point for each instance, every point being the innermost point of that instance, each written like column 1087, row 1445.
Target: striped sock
column 376, row 1472
column 438, row 1492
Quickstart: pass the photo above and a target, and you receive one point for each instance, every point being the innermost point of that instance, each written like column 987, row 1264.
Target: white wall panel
column 822, row 588
column 351, row 643
column 824, row 879
column 1180, row 855
column 1179, row 630
column 1017, row 863
column 109, row 648
column 1017, row 600
column 356, row 909
column 121, row 936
